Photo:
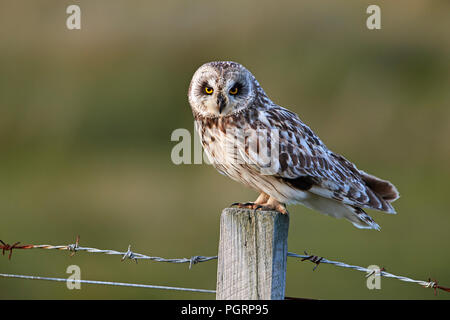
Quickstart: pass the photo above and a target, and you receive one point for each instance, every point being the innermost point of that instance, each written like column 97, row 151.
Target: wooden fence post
column 252, row 255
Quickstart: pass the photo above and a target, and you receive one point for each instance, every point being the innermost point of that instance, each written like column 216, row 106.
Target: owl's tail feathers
column 361, row 219
column 384, row 189
column 339, row 210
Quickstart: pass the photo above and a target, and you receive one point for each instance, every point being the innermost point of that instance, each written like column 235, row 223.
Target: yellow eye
column 209, row 90
column 234, row 91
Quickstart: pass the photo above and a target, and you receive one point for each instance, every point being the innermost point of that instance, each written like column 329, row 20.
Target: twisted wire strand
column 128, row 254
column 382, row 273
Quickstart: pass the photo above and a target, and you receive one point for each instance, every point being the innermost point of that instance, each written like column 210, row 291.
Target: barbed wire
column 73, row 248
column 381, row 272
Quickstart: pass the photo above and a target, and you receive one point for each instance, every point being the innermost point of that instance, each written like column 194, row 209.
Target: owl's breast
column 225, row 152
column 221, row 145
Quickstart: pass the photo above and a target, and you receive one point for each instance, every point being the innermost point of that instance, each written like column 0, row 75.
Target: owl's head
column 221, row 88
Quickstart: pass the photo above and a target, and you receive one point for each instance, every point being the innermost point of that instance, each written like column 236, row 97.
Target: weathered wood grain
column 252, row 255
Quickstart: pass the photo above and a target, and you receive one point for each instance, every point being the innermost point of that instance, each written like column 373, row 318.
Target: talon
column 265, row 203
column 246, row 205
column 282, row 210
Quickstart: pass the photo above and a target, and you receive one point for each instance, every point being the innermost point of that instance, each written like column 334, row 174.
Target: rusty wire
column 73, row 248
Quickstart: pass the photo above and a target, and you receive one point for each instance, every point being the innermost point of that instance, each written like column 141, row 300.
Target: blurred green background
column 86, row 118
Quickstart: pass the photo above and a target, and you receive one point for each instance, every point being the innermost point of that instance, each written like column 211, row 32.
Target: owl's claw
column 247, row 205
column 280, row 209
column 254, row 206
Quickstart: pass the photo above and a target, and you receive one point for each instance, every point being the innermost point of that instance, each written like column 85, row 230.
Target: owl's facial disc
column 215, row 92
column 222, row 97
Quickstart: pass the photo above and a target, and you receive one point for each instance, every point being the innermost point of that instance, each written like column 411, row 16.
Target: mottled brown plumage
column 267, row 147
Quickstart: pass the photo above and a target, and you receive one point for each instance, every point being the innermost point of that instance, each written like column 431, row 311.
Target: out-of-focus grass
column 86, row 118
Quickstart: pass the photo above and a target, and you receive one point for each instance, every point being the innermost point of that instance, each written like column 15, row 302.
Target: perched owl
column 252, row 140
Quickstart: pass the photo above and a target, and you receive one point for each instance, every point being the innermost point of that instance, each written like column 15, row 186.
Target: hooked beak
column 221, row 102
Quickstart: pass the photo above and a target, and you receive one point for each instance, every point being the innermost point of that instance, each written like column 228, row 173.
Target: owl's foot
column 281, row 208
column 274, row 205
column 258, row 204
column 265, row 203
column 247, row 205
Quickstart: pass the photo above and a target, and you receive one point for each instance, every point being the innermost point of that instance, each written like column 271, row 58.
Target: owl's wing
column 305, row 163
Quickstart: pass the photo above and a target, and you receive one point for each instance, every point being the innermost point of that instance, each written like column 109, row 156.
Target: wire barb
column 314, row 259
column 194, row 260
column 375, row 271
column 10, row 248
column 129, row 255
column 434, row 284
column 74, row 247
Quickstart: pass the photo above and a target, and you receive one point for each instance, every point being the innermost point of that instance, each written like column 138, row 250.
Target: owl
column 266, row 147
